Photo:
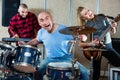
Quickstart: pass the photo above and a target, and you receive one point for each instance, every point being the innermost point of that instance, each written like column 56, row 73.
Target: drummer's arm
column 33, row 42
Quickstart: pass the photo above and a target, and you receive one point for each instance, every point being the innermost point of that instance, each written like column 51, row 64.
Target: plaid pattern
column 24, row 27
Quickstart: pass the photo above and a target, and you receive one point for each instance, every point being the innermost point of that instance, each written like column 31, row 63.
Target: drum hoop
column 6, row 45
column 62, row 68
column 23, row 64
column 29, row 46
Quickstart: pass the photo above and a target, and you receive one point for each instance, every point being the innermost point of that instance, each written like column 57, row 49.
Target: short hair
column 45, row 11
column 23, row 5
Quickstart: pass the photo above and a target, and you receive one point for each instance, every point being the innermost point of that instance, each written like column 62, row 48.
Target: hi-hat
column 75, row 30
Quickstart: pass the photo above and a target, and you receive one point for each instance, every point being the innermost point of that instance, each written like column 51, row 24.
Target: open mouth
column 47, row 25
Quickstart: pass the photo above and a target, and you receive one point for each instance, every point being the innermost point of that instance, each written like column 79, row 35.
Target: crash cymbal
column 87, row 30
column 70, row 30
column 75, row 30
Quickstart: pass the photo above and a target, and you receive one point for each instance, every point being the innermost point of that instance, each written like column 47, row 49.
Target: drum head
column 62, row 65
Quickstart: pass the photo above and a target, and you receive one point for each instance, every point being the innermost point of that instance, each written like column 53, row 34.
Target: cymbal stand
column 1, row 57
column 91, row 66
column 91, row 62
column 73, row 60
column 73, row 69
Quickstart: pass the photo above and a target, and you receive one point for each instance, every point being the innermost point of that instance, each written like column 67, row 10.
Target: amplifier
column 116, row 44
column 115, row 73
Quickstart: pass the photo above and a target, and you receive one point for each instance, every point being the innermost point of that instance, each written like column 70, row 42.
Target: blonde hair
column 81, row 22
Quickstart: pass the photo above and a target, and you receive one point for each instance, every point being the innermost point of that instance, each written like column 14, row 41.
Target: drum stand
column 4, row 63
column 73, row 70
column 91, row 66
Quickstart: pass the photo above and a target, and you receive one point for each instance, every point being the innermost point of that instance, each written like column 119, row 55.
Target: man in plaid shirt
column 24, row 24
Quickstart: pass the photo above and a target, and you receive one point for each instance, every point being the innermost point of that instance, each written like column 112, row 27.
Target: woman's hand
column 113, row 27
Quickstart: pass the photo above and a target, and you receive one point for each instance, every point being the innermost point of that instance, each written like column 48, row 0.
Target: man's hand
column 16, row 36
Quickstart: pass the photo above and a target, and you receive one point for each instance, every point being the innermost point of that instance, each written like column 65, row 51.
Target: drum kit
column 76, row 31
column 27, row 58
column 25, row 61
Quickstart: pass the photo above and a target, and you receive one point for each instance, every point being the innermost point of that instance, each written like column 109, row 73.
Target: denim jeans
column 42, row 69
column 112, row 55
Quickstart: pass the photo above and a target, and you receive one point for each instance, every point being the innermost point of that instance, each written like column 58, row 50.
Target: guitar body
column 95, row 54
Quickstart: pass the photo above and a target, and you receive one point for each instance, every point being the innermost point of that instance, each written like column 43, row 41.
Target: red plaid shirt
column 24, row 27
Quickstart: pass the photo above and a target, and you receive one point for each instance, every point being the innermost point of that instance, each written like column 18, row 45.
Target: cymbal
column 70, row 30
column 87, row 30
column 75, row 30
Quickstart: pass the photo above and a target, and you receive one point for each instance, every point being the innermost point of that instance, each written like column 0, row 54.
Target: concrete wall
column 64, row 12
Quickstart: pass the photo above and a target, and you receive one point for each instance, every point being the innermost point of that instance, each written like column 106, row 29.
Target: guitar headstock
column 117, row 18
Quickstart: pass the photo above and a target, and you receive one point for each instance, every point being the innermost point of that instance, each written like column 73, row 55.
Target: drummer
column 24, row 24
column 56, row 45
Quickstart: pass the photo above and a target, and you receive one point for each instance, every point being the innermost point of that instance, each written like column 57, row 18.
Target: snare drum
column 27, row 58
column 62, row 71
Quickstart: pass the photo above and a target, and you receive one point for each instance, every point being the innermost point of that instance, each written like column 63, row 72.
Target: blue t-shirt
column 56, row 43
